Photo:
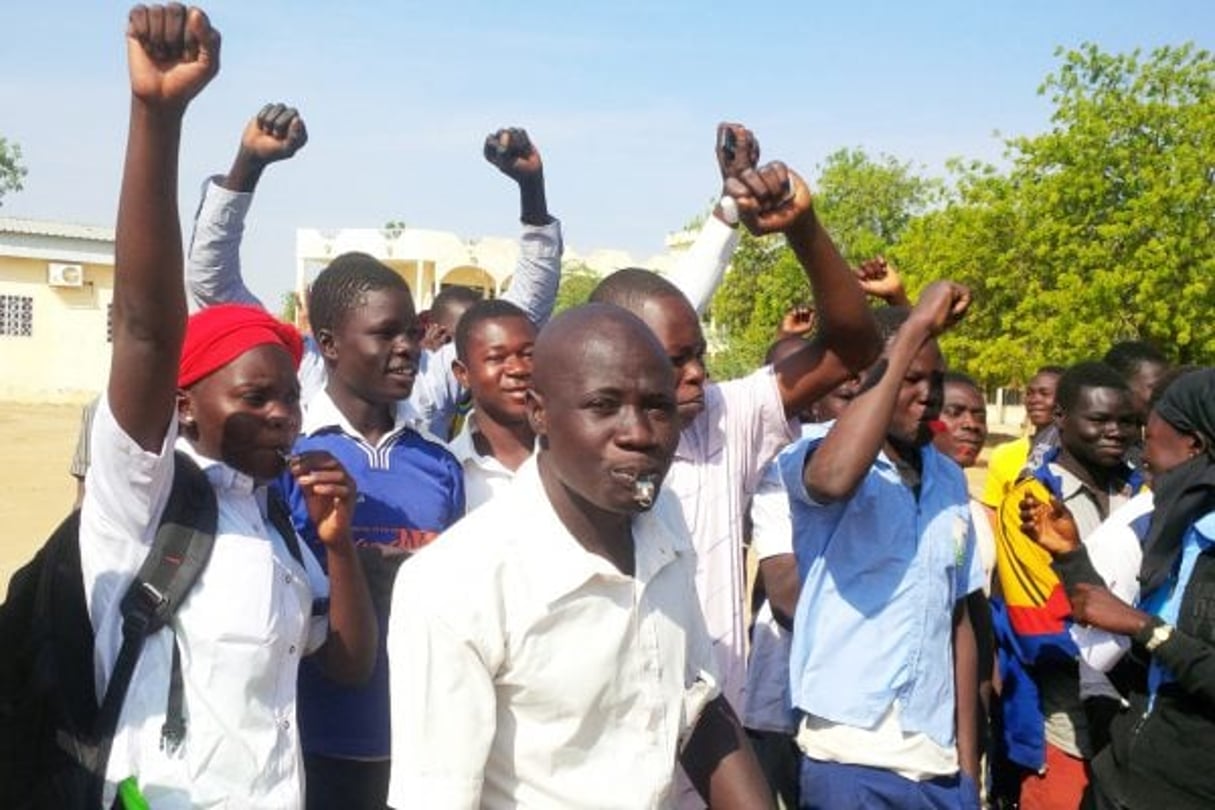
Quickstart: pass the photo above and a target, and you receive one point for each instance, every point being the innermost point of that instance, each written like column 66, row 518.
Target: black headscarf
column 1187, row 492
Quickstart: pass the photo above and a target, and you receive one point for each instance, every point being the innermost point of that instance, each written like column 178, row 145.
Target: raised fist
column 513, row 153
column 770, row 198
column 798, row 322
column 941, row 305
column 737, row 149
column 275, row 133
column 879, row 279
column 172, row 53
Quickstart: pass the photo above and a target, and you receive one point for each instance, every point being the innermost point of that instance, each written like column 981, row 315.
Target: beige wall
column 67, row 358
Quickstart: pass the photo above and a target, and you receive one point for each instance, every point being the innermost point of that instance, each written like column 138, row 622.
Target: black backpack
column 54, row 735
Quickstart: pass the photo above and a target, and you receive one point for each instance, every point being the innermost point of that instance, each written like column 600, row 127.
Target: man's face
column 918, row 403
column 1142, row 383
column 247, row 413
column 607, row 417
column 965, row 416
column 373, row 351
column 831, row 406
column 497, row 369
column 1100, row 428
column 674, row 322
column 1040, row 399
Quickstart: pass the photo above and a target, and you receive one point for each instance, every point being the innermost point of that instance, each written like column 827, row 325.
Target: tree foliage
column 1097, row 230
column 577, row 283
column 12, row 170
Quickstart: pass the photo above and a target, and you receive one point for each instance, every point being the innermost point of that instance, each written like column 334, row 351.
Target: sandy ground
column 36, row 491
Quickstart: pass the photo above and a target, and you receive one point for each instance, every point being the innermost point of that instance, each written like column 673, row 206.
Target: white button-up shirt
column 527, row 672
column 717, row 468
column 241, row 631
column 484, row 476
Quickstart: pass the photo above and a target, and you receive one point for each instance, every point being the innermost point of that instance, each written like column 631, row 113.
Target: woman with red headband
column 223, row 390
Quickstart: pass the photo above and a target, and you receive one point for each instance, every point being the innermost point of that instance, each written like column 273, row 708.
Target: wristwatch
column 1155, row 634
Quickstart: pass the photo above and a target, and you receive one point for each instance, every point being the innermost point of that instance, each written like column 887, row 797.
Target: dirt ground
column 36, row 491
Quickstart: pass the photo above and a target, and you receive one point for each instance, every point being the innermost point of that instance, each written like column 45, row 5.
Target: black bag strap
column 178, row 555
column 280, row 518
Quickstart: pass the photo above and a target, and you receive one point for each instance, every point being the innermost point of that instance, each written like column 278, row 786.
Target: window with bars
column 17, row 315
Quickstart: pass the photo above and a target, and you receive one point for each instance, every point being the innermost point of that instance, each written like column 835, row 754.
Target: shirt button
column 288, row 579
column 291, row 650
column 285, row 725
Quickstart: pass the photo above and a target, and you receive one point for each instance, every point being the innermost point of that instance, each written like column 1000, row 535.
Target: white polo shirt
column 241, row 630
column 529, row 672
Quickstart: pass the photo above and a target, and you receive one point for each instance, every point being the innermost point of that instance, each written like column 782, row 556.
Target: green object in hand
column 129, row 793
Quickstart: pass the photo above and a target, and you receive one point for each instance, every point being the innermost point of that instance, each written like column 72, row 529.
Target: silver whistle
column 643, row 492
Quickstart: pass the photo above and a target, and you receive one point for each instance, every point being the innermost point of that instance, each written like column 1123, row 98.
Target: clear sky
column 621, row 97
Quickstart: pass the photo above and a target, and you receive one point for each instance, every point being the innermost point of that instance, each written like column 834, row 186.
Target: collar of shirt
column 464, row 448
column 223, row 477
column 323, row 414
column 659, row 538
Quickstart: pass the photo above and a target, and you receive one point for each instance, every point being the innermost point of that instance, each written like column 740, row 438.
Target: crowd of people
column 483, row 557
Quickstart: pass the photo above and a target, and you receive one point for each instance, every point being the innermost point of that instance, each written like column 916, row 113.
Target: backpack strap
column 178, row 555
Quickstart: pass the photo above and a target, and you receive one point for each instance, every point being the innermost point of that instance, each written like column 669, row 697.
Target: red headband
column 218, row 335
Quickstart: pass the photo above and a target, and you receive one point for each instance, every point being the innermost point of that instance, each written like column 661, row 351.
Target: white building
column 56, row 286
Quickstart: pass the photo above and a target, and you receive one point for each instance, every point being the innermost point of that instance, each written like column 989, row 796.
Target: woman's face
column 247, row 413
column 1164, row 446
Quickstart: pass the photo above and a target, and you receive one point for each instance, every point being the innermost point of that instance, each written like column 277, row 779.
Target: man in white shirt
column 729, row 431
column 548, row 650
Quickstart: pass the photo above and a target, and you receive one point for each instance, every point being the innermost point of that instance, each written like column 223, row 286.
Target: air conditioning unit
column 64, row 275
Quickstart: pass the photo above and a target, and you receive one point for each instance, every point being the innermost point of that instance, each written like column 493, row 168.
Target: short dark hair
column 453, row 296
column 1127, row 356
column 890, row 320
column 631, row 287
column 340, row 287
column 1051, row 369
column 479, row 313
column 958, row 378
column 1089, row 374
column 783, row 346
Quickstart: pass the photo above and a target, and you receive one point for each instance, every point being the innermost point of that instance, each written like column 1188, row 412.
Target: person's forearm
column 538, row 272
column 845, row 321
column 842, row 459
column 700, row 268
column 149, row 303
column 782, row 585
column 720, row 763
column 966, row 691
column 245, row 172
column 348, row 655
column 213, row 267
column 533, row 205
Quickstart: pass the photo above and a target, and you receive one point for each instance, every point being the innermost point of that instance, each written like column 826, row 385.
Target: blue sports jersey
column 409, row 490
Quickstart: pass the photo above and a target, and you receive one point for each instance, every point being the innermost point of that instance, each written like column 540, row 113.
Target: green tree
column 577, row 283
column 1101, row 228
column 12, row 170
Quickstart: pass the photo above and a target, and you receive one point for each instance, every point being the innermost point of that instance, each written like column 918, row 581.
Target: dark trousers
column 345, row 784
column 780, row 760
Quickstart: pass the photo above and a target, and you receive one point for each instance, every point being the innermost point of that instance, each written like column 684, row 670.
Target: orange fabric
column 1061, row 787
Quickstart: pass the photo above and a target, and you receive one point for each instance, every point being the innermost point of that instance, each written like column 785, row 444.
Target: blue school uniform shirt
column 881, row 573
column 410, row 488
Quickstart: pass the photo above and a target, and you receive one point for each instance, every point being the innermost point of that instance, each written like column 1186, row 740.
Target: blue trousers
column 832, row 786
